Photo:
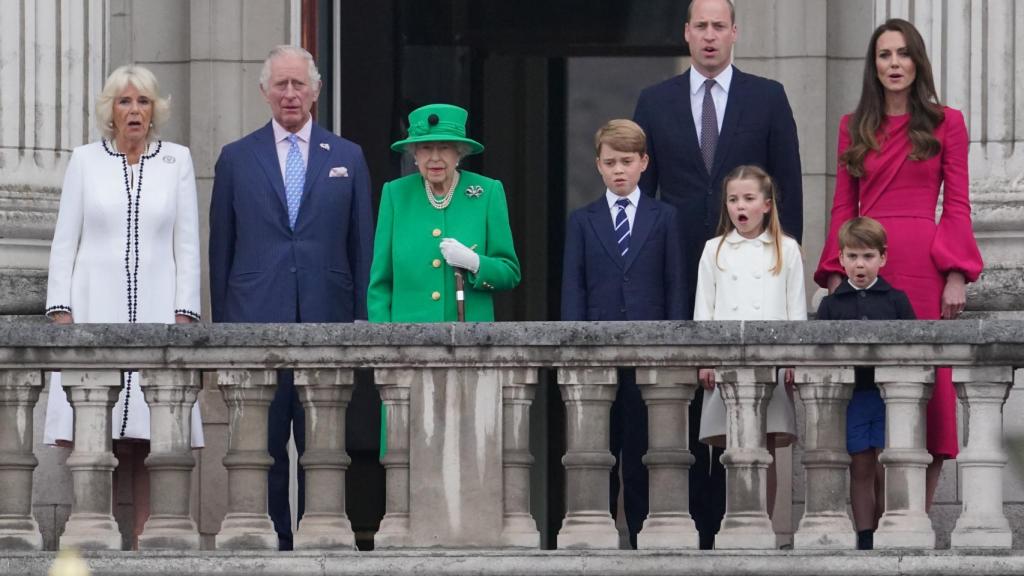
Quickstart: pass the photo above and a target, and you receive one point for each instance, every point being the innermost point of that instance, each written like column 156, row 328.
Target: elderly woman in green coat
column 438, row 220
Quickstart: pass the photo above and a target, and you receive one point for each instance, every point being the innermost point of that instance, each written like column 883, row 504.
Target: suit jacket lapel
column 601, row 221
column 733, row 110
column 687, row 130
column 643, row 222
column 266, row 153
column 317, row 158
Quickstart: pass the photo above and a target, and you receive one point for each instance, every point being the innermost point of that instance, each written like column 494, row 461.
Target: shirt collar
column 724, row 79
column 868, row 287
column 734, row 237
column 281, row 133
column 612, row 198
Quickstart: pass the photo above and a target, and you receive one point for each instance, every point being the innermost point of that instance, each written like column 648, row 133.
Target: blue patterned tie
column 708, row 126
column 294, row 179
column 622, row 226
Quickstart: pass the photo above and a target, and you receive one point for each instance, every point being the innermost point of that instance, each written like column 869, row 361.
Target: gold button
column 436, row 295
column 436, row 232
column 436, row 263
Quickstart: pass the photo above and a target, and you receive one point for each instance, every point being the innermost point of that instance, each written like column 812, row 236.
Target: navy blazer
column 263, row 271
column 649, row 283
column 758, row 128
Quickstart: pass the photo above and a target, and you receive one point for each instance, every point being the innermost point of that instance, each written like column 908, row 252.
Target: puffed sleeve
column 954, row 247
column 845, row 205
column 381, row 288
column 796, row 296
column 186, row 242
column 707, row 275
column 66, row 235
column 499, row 266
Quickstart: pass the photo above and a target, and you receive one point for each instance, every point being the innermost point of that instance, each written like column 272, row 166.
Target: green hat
column 438, row 123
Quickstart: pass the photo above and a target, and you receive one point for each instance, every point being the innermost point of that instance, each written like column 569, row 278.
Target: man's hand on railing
column 706, row 376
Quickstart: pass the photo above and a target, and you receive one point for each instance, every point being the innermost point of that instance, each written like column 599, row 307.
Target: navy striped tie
column 622, row 226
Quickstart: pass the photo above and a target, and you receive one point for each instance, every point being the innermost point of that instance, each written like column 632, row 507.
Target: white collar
column 868, row 287
column 612, row 198
column 734, row 237
column 282, row 133
column 724, row 79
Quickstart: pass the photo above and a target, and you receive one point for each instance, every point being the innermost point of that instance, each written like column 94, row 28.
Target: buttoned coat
column 409, row 278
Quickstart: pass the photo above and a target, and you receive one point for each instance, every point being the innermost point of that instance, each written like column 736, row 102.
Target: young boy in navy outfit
column 623, row 261
column 864, row 295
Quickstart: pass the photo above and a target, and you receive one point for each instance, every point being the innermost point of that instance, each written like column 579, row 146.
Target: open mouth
column 743, row 218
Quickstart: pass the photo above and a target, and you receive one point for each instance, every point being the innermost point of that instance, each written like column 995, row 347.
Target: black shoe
column 866, row 540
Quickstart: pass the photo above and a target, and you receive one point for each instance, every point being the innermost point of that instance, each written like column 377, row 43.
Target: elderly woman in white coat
column 125, row 249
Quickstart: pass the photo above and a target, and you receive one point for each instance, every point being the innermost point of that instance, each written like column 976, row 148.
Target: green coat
column 409, row 279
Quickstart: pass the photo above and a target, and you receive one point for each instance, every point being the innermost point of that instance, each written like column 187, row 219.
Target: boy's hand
column 833, row 282
column 706, row 376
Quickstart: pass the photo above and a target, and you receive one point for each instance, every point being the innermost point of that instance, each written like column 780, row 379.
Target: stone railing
column 458, row 399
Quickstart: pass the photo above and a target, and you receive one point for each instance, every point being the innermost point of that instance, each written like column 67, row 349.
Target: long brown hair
column 771, row 220
column 923, row 103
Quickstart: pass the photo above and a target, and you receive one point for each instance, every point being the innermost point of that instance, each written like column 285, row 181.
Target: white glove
column 458, row 256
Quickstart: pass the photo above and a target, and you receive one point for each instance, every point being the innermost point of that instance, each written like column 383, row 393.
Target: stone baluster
column 91, row 525
column 588, row 394
column 905, row 524
column 394, row 386
column 667, row 393
column 982, row 523
column 746, row 392
column 825, row 393
column 19, row 390
column 517, row 393
column 170, row 395
column 325, row 395
column 247, row 394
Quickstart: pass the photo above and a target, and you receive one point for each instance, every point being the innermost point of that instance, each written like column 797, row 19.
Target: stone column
column 667, row 393
column 746, row 392
column 905, row 524
column 247, row 526
column 825, row 393
column 91, row 525
column 394, row 386
column 588, row 394
column 325, row 394
column 19, row 390
column 517, row 393
column 983, row 392
column 170, row 395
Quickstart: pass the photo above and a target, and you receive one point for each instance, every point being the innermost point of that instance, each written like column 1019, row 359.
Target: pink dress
column 902, row 194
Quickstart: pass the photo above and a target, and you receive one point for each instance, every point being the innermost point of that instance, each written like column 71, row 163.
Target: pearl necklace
column 444, row 202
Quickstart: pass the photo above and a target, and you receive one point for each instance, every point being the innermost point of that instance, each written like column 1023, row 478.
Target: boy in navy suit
column 865, row 296
column 623, row 261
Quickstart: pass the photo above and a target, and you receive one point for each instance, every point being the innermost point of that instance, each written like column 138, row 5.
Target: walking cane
column 460, row 295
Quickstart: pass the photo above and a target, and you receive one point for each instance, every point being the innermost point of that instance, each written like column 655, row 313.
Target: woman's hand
column 954, row 296
column 834, row 280
column 457, row 255
column 183, row 319
column 62, row 318
column 706, row 376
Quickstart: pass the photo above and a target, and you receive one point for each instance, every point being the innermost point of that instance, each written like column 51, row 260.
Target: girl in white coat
column 750, row 271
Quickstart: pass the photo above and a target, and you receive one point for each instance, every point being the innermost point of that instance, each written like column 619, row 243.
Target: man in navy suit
column 700, row 125
column 623, row 262
column 290, row 238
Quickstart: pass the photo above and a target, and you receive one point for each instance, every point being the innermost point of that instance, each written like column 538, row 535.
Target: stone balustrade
column 458, row 397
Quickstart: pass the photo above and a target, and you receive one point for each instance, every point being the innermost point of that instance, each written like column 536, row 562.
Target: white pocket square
column 339, row 172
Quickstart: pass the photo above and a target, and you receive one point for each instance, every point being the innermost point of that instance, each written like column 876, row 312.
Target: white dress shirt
column 720, row 94
column 634, row 199
column 281, row 140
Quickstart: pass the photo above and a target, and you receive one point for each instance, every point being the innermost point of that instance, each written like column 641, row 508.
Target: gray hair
column 461, row 148
column 283, row 49
column 145, row 82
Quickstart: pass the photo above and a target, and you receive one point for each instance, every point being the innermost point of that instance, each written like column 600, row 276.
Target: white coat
column 102, row 226
column 741, row 286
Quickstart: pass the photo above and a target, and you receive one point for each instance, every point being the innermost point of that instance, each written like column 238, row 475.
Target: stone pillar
column 905, row 524
column 325, row 394
column 170, row 395
column 394, row 386
column 746, row 392
column 825, row 393
column 983, row 392
column 519, row 529
column 667, row 393
column 588, row 394
column 247, row 526
column 91, row 525
column 19, row 390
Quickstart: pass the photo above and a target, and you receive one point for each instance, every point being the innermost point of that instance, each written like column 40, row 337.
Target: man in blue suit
column 290, row 238
column 700, row 125
column 623, row 262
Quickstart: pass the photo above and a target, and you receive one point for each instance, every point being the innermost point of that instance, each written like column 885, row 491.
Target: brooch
column 474, row 191
column 325, row 145
column 168, row 159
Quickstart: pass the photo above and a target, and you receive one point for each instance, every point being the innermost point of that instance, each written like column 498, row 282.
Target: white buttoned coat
column 741, row 286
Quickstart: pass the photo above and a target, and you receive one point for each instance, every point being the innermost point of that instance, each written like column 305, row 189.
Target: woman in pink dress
column 896, row 151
